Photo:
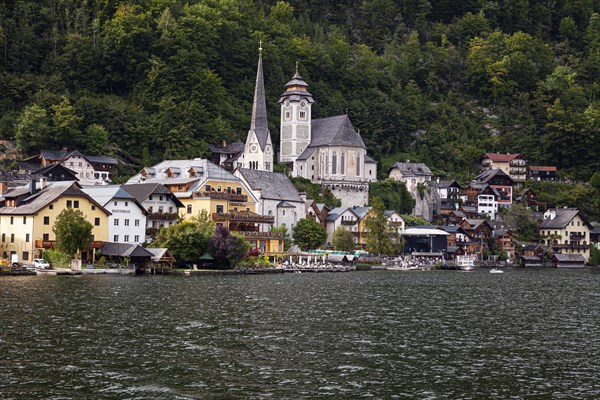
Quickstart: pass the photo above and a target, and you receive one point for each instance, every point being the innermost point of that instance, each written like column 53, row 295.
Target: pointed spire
column 259, row 122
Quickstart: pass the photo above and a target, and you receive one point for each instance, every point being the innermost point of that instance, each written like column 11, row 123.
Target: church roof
column 273, row 185
column 335, row 131
column 259, row 124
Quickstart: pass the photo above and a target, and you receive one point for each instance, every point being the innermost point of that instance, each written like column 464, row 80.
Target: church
column 328, row 151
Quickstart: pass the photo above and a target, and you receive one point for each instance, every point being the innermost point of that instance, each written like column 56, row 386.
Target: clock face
column 253, row 148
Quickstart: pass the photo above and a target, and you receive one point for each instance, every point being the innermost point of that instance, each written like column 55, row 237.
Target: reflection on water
column 381, row 334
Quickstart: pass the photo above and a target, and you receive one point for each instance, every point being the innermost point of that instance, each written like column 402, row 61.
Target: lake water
column 525, row 334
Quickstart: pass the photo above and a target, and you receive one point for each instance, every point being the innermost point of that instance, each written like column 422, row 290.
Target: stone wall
column 351, row 194
column 428, row 205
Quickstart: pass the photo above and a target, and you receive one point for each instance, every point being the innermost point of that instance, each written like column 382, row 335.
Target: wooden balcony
column 570, row 246
column 243, row 216
column 576, row 236
column 240, row 198
column 163, row 216
column 349, row 222
column 49, row 244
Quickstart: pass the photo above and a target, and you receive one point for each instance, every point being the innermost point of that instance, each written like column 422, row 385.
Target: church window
column 343, row 163
column 358, row 165
column 288, row 114
column 302, row 114
column 334, row 163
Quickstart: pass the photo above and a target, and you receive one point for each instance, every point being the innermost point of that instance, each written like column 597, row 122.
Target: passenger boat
column 496, row 271
column 465, row 263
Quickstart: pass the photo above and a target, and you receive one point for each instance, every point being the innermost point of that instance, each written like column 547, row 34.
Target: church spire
column 259, row 109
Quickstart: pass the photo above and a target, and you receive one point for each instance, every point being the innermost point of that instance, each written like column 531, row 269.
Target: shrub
column 57, row 259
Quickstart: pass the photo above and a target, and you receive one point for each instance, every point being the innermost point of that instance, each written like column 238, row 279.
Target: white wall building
column 127, row 223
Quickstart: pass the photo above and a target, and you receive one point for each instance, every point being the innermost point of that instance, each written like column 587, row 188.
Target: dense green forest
column 435, row 81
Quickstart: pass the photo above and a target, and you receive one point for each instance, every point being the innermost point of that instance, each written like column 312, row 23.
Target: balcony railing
column 576, row 236
column 50, row 244
column 163, row 216
column 570, row 246
column 348, row 222
column 260, row 235
column 517, row 163
column 243, row 217
column 242, row 198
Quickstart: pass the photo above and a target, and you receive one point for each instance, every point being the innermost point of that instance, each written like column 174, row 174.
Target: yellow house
column 566, row 231
column 29, row 213
column 202, row 185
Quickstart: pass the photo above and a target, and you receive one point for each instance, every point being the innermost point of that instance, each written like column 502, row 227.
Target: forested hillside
column 435, row 81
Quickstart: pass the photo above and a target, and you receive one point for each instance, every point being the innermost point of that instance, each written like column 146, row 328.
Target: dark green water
column 526, row 334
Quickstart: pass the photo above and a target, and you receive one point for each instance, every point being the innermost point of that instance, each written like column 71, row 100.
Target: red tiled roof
column 542, row 168
column 501, row 157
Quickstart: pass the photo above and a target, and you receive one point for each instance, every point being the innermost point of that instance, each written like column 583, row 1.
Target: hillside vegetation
column 436, row 81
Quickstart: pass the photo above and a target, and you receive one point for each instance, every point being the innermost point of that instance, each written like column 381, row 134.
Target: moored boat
column 465, row 263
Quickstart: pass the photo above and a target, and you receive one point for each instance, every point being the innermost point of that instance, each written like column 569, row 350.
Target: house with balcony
column 505, row 241
column 395, row 220
column 496, row 179
column 28, row 214
column 276, row 196
column 161, row 205
column 514, row 165
column 450, row 194
column 90, row 170
column 566, row 231
column 127, row 222
column 316, row 211
column 199, row 184
column 351, row 218
column 542, row 173
column 479, row 232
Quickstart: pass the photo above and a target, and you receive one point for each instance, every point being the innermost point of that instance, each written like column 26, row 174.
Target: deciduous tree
column 73, row 232
column 309, row 234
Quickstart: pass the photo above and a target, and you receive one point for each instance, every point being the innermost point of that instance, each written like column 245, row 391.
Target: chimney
column 224, row 143
column 43, row 181
column 3, row 187
column 32, row 186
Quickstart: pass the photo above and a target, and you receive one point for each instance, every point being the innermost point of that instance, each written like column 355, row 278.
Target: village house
column 161, row 205
column 201, row 185
column 127, row 222
column 412, row 174
column 532, row 256
column 514, row 165
column 28, row 215
column 542, row 173
column 90, row 170
column 227, row 154
column 495, row 179
column 450, row 194
column 528, row 198
column 566, row 231
column 276, row 195
column 479, row 232
column 316, row 211
column 395, row 220
column 505, row 242
column 351, row 218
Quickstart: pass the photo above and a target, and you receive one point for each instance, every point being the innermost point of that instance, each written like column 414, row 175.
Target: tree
column 377, row 229
column 228, row 249
column 187, row 240
column 73, row 232
column 343, row 240
column 519, row 220
column 309, row 234
column 32, row 130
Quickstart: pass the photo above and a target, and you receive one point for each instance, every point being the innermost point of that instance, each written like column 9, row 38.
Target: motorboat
column 496, row 271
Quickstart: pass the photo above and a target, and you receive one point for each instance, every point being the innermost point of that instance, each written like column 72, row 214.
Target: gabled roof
column 141, row 191
column 211, row 171
column 307, row 153
column 273, row 185
column 501, row 157
column 488, row 175
column 104, row 194
column 445, row 184
column 335, row 213
column 559, row 218
column 101, row 160
column 412, row 169
column 570, row 258
column 369, row 160
column 50, row 169
column 229, row 148
column 124, row 250
column 335, row 131
column 50, row 193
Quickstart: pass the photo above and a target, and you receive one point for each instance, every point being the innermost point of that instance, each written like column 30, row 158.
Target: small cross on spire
column 260, row 47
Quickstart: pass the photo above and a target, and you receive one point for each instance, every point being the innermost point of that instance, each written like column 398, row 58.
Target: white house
column 276, row 194
column 127, row 222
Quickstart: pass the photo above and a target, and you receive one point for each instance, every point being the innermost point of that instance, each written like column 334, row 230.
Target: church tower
column 295, row 132
column 258, row 151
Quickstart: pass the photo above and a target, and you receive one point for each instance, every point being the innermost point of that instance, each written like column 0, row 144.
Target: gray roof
column 229, row 148
column 157, row 252
column 444, row 184
column 307, row 153
column 335, row 131
column 141, row 191
column 412, row 169
column 488, row 175
column 104, row 194
column 211, row 171
column 43, row 197
column 101, row 160
column 296, row 90
column 563, row 217
column 369, row 160
column 572, row 258
column 259, row 124
column 273, row 185
column 124, row 250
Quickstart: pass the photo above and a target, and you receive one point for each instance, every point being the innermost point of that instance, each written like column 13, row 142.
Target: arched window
column 358, row 165
column 343, row 163
column 334, row 163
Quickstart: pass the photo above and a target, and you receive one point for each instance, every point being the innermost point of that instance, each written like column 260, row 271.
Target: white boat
column 465, row 263
column 496, row 271
column 402, row 268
